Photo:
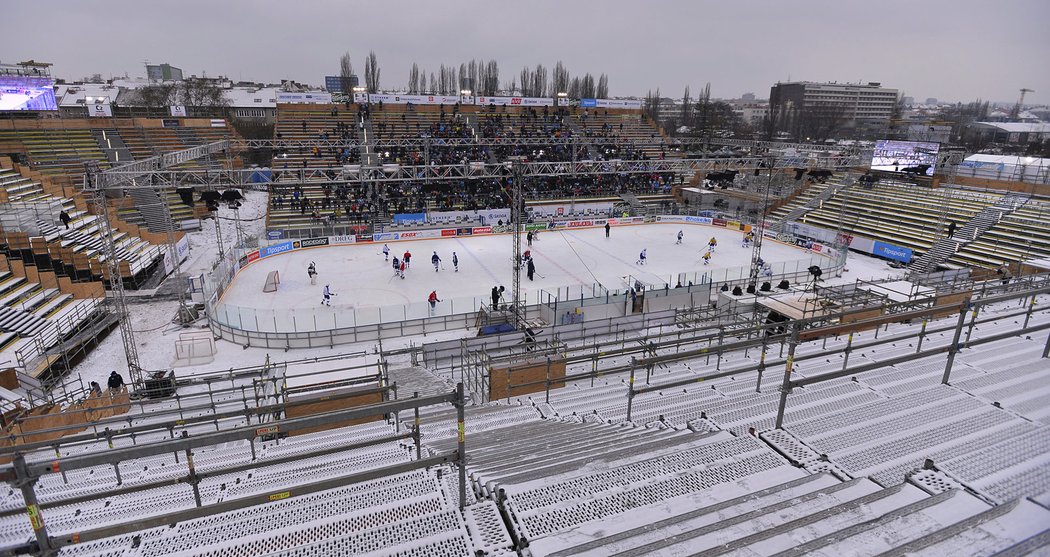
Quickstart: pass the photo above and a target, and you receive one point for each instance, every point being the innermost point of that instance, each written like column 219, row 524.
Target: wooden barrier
column 9, row 379
column 320, row 402
column 501, row 379
column 952, row 301
column 52, row 416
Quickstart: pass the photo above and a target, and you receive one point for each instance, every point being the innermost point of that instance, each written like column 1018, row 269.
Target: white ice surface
column 577, row 258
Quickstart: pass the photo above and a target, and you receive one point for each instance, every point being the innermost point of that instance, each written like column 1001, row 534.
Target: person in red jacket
column 407, row 258
column 433, row 299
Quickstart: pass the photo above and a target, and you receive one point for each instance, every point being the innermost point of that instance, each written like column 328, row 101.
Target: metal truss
column 253, row 178
column 128, row 172
column 676, row 144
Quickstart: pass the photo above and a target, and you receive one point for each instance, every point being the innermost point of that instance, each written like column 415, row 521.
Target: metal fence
column 326, row 319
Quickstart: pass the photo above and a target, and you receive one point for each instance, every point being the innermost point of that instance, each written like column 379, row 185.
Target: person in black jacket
column 116, row 382
column 65, row 218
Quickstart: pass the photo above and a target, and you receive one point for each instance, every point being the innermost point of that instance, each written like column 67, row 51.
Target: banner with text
column 514, row 101
column 304, row 98
column 610, row 103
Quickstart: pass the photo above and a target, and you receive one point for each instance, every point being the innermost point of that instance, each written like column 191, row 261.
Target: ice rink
column 565, row 259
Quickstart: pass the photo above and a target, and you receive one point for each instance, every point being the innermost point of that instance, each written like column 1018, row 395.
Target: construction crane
column 1016, row 112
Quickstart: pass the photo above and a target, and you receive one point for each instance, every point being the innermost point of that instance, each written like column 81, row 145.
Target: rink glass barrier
column 337, row 317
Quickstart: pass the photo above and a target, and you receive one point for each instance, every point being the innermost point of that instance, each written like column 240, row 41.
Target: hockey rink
column 569, row 262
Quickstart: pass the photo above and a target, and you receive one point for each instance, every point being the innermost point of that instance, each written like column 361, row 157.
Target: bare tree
column 560, row 79
column 372, row 72
column 464, row 78
column 602, row 90
column 202, row 93
column 587, row 86
column 651, row 107
column 472, row 77
column 346, row 71
column 527, row 79
column 159, row 95
column 898, row 107
column 413, row 79
column 575, row 86
column 433, row 90
column 539, row 81
column 703, row 112
column 686, row 117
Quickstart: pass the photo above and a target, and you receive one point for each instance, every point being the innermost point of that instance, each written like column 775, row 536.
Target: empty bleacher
column 59, row 148
column 80, row 245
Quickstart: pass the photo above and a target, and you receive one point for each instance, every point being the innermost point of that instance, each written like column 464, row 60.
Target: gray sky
column 949, row 49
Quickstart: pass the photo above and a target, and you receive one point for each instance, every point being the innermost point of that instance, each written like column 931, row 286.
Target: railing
column 335, row 325
column 56, row 331
column 762, row 337
column 24, row 475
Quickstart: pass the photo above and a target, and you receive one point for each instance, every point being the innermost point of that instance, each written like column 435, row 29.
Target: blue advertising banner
column 890, row 251
column 410, row 217
column 275, row 249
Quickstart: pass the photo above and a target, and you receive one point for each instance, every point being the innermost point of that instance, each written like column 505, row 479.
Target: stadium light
column 562, row 94
column 359, row 89
column 465, row 92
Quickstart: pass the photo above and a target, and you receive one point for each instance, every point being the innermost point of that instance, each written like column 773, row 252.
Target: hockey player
column 455, row 261
column 407, row 259
column 641, row 258
column 311, row 271
column 326, row 296
column 607, row 230
column 712, row 244
column 402, row 269
column 528, row 238
column 530, row 268
column 433, row 299
column 748, row 238
column 526, row 256
column 707, row 258
column 680, row 236
column 435, row 260
column 386, row 252
column 397, row 266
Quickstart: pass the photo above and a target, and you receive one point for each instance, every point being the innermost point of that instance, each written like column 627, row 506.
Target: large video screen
column 26, row 93
column 912, row 157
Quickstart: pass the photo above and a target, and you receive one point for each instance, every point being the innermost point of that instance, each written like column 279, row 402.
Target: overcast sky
column 949, row 49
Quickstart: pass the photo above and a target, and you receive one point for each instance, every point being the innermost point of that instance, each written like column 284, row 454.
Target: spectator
column 116, row 382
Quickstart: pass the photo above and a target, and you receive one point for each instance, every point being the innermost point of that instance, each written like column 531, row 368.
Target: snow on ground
column 576, row 259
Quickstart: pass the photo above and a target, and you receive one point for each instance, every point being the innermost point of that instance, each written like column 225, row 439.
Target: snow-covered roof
column 1007, row 159
column 75, row 95
column 132, row 83
column 1018, row 127
column 265, row 97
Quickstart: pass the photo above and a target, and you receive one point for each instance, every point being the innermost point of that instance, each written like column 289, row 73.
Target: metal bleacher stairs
column 818, row 194
column 945, row 247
